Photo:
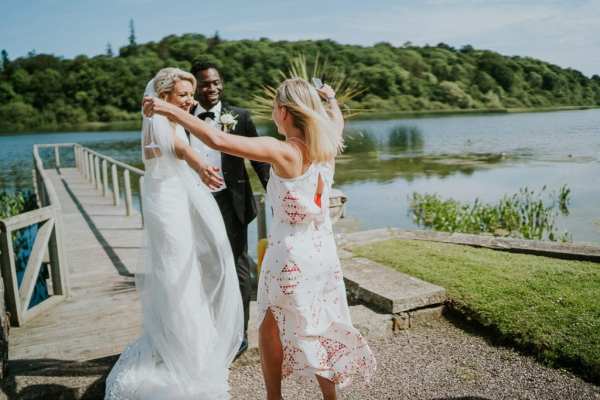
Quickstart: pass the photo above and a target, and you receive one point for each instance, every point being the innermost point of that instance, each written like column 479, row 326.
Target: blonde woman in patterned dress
column 304, row 322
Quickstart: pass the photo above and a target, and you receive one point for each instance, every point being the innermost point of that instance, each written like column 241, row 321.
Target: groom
column 226, row 175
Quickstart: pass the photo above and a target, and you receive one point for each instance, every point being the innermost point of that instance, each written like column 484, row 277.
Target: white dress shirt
column 210, row 156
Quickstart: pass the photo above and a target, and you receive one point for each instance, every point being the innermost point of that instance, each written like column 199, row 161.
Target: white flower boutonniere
column 228, row 121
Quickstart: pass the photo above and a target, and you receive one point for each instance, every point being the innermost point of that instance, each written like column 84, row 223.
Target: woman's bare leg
column 271, row 355
column 327, row 388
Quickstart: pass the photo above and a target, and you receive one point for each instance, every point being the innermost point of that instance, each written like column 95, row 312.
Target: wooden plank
column 34, row 263
column 28, row 218
column 42, row 307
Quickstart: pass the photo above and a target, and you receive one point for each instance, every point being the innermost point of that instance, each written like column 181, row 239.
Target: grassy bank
column 371, row 114
column 366, row 115
column 545, row 306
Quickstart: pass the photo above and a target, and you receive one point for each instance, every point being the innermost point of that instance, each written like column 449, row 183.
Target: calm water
column 463, row 157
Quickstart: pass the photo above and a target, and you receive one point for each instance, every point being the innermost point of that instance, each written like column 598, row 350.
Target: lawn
column 547, row 306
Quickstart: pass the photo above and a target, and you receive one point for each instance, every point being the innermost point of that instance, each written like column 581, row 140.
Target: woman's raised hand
column 326, row 92
column 154, row 105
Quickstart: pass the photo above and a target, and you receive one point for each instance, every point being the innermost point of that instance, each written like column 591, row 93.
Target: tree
column 5, row 61
column 109, row 50
column 467, row 48
column 496, row 66
column 132, row 41
column 215, row 40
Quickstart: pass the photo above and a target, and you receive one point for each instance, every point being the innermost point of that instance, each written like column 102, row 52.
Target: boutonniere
column 228, row 121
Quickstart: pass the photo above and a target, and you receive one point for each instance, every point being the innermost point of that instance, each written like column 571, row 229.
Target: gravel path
column 440, row 362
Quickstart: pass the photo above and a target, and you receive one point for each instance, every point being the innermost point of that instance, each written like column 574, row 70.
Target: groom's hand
column 210, row 176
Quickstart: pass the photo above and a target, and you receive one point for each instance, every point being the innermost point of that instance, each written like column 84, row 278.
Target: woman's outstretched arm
column 266, row 149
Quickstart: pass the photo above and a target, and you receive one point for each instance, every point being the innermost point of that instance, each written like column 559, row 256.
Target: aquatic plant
column 526, row 214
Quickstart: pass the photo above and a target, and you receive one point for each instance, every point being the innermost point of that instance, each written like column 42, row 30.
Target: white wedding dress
column 192, row 309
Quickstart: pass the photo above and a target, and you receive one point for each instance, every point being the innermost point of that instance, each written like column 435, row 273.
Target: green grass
column 546, row 306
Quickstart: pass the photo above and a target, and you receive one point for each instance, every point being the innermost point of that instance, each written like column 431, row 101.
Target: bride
column 192, row 309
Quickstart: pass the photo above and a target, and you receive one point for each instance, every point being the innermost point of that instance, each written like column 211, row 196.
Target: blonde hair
column 304, row 104
column 166, row 78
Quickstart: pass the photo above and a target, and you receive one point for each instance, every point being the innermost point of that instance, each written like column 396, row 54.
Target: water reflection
column 398, row 152
column 406, row 138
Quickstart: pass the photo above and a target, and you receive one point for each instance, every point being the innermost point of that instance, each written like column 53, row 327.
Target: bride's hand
column 210, row 176
column 154, row 105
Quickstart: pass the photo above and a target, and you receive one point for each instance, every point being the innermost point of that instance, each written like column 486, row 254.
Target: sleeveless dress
column 301, row 283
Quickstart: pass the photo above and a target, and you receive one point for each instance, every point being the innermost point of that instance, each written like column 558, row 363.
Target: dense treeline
column 45, row 91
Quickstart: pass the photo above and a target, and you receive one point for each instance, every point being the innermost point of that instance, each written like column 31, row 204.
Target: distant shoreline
column 366, row 115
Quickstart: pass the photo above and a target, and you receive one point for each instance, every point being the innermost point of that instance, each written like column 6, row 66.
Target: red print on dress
column 334, row 350
column 291, row 206
column 289, row 278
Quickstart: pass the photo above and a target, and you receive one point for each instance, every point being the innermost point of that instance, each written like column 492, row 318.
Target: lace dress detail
column 302, row 284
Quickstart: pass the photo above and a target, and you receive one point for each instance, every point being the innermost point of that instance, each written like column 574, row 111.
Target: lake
column 462, row 157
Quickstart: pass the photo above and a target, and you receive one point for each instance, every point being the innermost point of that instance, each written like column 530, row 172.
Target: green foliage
column 545, row 306
column 524, row 214
column 406, row 78
column 12, row 204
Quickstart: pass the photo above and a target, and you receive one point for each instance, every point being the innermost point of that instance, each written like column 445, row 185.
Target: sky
column 563, row 32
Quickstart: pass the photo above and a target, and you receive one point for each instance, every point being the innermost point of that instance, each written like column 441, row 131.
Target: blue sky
column 564, row 32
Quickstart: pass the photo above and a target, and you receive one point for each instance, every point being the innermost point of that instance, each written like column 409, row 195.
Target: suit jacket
column 234, row 170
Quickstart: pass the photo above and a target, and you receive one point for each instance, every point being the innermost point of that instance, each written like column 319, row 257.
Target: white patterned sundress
column 301, row 283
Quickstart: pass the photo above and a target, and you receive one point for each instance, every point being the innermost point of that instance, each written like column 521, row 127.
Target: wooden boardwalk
column 102, row 313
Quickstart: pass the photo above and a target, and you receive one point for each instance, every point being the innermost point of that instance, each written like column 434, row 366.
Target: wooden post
column 115, row 185
column 7, row 256
column 78, row 159
column 85, row 163
column 35, row 186
column 261, row 217
column 142, row 199
column 92, row 172
column 127, row 182
column 58, row 266
column 75, row 157
column 97, row 168
column 104, row 178
column 57, row 156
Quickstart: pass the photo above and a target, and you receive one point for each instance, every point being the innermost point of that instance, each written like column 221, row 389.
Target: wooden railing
column 95, row 168
column 47, row 247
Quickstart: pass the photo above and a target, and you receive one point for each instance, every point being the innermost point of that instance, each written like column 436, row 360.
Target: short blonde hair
column 166, row 78
column 304, row 104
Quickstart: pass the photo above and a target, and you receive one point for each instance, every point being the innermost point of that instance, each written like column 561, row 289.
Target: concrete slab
column 387, row 289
